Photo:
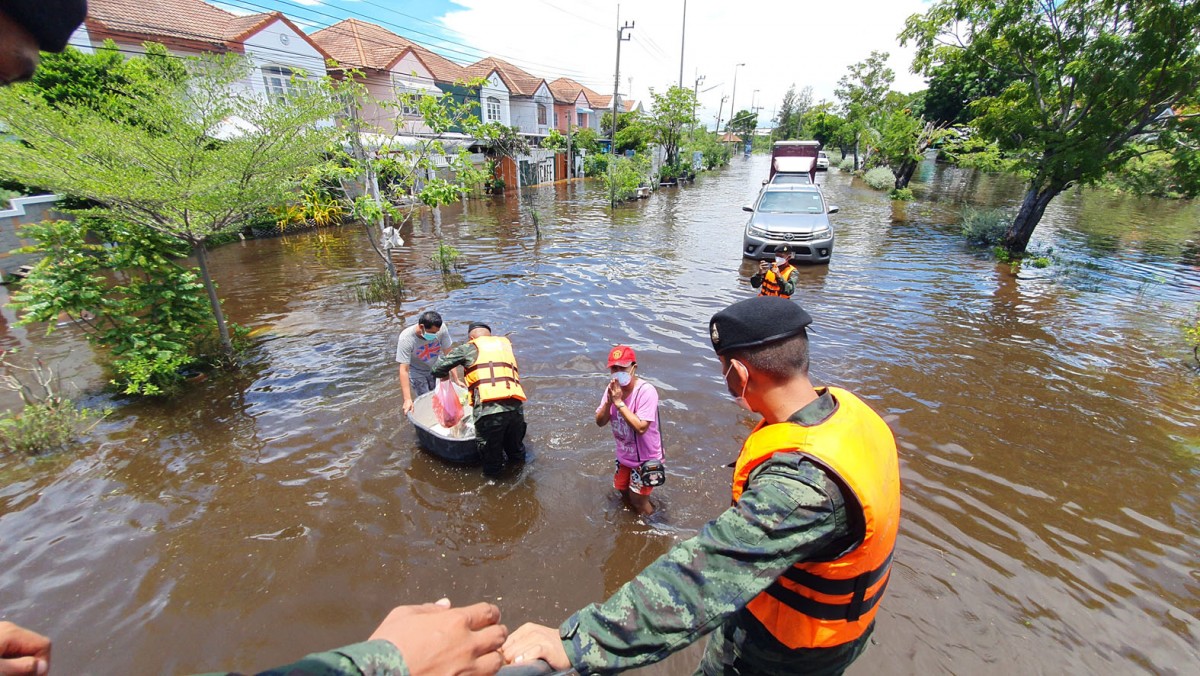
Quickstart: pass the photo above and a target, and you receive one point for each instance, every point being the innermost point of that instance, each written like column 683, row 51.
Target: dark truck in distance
column 794, row 162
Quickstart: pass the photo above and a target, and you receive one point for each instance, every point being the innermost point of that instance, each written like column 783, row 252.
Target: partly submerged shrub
column 880, row 178
column 984, row 227
column 847, row 164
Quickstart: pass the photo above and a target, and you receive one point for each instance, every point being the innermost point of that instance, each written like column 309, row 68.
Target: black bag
column 652, row 473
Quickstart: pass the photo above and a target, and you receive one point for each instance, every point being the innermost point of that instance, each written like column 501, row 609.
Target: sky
column 781, row 42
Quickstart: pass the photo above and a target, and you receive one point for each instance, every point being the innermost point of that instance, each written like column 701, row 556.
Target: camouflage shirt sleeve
column 788, row 286
column 790, row 511
column 462, row 354
column 369, row 658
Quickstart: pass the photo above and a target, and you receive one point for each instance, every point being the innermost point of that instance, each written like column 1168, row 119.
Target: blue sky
column 779, row 42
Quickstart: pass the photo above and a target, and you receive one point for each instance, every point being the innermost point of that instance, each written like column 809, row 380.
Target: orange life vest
column 829, row 603
column 772, row 283
column 493, row 375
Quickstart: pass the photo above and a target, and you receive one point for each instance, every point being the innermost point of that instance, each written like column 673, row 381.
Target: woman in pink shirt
column 631, row 404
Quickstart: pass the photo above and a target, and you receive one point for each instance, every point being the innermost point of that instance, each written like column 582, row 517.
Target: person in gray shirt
column 416, row 351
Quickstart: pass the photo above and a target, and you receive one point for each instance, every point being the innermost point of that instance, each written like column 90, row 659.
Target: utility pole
column 570, row 158
column 732, row 110
column 612, row 146
column 682, row 37
column 696, row 98
column 720, row 110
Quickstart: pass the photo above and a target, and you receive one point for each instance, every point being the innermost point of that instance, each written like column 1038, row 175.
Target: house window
column 407, row 99
column 278, row 81
column 541, row 113
column 582, row 119
column 493, row 109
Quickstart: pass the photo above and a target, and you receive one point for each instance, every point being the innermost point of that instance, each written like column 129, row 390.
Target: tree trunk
column 1016, row 239
column 904, row 173
column 222, row 328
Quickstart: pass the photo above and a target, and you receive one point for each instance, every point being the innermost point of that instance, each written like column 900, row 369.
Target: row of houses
column 391, row 67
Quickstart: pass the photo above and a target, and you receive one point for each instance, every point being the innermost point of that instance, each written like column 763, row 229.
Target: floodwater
column 1048, row 422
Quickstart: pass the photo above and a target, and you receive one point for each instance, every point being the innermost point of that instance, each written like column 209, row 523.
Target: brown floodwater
column 1048, row 422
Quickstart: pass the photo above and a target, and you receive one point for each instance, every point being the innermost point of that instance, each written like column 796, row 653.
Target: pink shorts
column 625, row 478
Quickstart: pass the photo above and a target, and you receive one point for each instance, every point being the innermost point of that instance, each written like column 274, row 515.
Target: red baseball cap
column 621, row 355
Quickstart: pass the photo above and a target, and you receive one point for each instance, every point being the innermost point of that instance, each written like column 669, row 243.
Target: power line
column 474, row 52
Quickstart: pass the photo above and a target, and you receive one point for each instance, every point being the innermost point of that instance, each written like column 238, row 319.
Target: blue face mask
column 429, row 336
column 623, row 378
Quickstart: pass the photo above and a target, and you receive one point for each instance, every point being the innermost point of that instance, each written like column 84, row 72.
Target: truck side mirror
column 833, row 210
column 747, row 207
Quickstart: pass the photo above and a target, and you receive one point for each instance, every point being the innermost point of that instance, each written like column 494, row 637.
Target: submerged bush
column 846, row 165
column 627, row 174
column 48, row 422
column 380, row 286
column 984, row 227
column 880, row 178
column 1191, row 333
column 445, row 258
column 901, row 194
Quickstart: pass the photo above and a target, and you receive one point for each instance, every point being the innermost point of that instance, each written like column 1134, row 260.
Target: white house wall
column 524, row 114
column 495, row 87
column 543, row 97
column 276, row 44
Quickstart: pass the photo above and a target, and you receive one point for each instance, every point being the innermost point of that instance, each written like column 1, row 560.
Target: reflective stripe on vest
column 829, row 603
column 772, row 284
column 493, row 375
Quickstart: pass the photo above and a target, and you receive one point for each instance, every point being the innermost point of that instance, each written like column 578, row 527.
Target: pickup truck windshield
column 791, row 203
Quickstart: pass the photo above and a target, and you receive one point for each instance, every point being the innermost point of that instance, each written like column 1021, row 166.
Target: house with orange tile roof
column 276, row 47
column 530, row 102
column 392, row 69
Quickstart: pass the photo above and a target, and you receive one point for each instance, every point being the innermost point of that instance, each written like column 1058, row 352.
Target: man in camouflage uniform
column 792, row 511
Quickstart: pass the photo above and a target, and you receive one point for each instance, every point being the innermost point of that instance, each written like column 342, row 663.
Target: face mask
column 623, row 378
column 430, row 336
column 780, row 260
column 740, row 400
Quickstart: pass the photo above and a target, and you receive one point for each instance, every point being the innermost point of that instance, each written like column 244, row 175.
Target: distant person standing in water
column 418, row 349
column 629, row 406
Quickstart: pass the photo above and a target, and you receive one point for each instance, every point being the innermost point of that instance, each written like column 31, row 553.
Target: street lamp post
column 733, row 97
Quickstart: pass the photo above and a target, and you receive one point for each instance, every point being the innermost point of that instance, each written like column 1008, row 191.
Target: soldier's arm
column 791, row 511
column 460, row 355
column 368, row 657
column 788, row 286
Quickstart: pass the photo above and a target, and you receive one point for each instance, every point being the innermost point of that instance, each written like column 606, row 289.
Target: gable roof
column 192, row 21
column 518, row 81
column 566, row 90
column 361, row 44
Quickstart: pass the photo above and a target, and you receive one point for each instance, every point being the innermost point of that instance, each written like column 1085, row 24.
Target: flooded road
column 1048, row 422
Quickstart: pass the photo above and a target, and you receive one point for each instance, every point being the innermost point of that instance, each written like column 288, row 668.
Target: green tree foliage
column 153, row 320
column 822, row 124
column 554, row 141
column 375, row 178
column 713, row 153
column 743, row 124
column 789, row 121
column 1086, row 79
column 172, row 162
column 586, row 139
column 902, row 142
column 672, row 114
column 862, row 92
column 625, row 175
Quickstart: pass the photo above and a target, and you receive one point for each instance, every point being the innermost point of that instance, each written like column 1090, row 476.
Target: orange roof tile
column 366, row 45
column 518, row 81
column 183, row 19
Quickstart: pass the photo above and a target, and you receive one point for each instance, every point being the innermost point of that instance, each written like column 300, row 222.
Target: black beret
column 756, row 321
column 785, row 249
column 50, row 22
column 478, row 325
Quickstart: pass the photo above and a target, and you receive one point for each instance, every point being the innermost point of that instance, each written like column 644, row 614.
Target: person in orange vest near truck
column 789, row 578
column 778, row 279
column 490, row 370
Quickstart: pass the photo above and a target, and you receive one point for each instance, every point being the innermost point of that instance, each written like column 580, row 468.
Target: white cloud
column 780, row 41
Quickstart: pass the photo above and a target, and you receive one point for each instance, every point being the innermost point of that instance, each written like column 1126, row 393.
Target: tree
column 189, row 160
column 903, row 140
column 744, row 123
column 822, row 124
column 1086, row 79
column 672, row 113
column 861, row 92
